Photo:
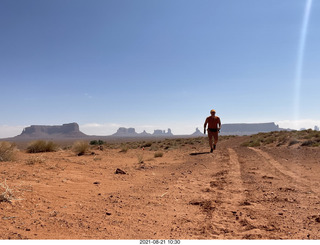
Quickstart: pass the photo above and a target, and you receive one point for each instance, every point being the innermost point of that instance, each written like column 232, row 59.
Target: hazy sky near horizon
column 156, row 64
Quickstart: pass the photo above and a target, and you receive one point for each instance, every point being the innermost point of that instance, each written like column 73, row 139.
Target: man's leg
column 210, row 136
column 216, row 137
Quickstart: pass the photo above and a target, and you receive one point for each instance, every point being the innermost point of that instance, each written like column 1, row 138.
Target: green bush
column 42, row 146
column 97, row 142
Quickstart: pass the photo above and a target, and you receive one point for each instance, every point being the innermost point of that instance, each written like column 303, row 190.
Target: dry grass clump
column 7, row 151
column 140, row 158
column 7, row 194
column 147, row 144
column 80, row 147
column 35, row 159
column 42, row 146
column 124, row 148
column 158, row 154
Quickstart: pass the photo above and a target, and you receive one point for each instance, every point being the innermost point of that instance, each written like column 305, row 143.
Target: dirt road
column 235, row 193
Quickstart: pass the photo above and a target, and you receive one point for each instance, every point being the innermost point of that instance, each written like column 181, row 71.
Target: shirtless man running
column 214, row 126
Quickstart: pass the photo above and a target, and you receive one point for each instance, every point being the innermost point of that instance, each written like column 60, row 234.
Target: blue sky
column 156, row 64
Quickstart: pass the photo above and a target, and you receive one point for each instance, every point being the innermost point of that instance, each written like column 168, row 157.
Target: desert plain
column 264, row 186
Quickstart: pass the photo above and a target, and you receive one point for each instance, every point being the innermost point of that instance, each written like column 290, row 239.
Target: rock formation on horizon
column 125, row 132
column 144, row 133
column 248, row 128
column 69, row 130
column 131, row 132
column 197, row 133
column 159, row 132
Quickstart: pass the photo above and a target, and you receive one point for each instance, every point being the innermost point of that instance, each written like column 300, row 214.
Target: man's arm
column 219, row 124
column 205, row 125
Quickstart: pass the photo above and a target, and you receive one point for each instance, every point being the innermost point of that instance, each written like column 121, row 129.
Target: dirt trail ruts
column 288, row 174
column 282, row 203
column 218, row 193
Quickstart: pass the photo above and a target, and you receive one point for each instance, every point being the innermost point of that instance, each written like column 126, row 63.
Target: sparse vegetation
column 140, row 158
column 80, row 147
column 97, row 142
column 7, row 194
column 35, row 159
column 278, row 138
column 148, row 144
column 124, row 148
column 165, row 144
column 7, row 151
column 158, row 154
column 42, row 146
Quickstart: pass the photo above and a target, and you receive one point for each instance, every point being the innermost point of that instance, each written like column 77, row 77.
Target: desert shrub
column 309, row 143
column 97, row 142
column 42, row 146
column 7, row 194
column 80, row 147
column 148, row 144
column 154, row 147
column 158, row 154
column 293, row 142
column 251, row 143
column 269, row 140
column 124, row 148
column 34, row 160
column 7, row 151
column 140, row 158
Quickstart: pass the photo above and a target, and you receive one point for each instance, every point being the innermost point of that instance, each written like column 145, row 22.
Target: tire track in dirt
column 235, row 176
column 214, row 196
column 281, row 204
column 286, row 172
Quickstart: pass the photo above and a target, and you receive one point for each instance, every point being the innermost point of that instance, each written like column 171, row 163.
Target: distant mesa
column 159, row 132
column 131, row 132
column 226, row 129
column 125, row 132
column 70, row 130
column 248, row 128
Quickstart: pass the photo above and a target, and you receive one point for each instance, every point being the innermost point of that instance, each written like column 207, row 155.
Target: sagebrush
column 7, row 151
column 80, row 147
column 42, row 146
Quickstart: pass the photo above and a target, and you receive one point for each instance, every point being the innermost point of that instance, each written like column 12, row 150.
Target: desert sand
column 236, row 192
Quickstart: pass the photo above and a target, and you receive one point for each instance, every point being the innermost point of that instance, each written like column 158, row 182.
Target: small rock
column 107, row 213
column 119, row 171
column 96, row 183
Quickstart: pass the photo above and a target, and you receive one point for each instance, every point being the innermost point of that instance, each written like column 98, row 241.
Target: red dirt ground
column 234, row 193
